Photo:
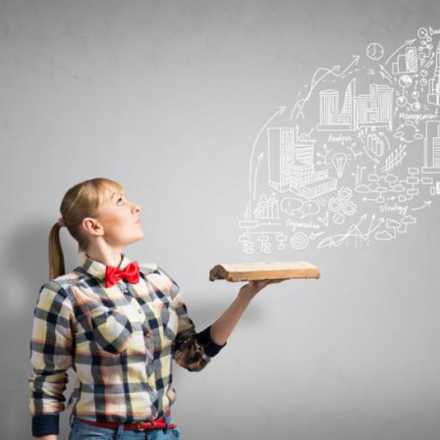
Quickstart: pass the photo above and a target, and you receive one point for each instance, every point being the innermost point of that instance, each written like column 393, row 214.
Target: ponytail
column 56, row 257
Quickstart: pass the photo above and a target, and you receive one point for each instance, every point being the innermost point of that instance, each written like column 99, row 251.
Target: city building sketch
column 355, row 159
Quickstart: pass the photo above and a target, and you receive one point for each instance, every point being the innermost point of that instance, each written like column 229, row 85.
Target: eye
column 119, row 199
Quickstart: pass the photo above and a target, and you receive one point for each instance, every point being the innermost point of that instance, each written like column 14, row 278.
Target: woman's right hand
column 47, row 437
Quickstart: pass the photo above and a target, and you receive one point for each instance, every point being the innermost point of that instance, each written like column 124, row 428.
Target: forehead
column 111, row 192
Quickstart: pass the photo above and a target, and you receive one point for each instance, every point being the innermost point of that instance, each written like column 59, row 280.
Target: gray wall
column 167, row 97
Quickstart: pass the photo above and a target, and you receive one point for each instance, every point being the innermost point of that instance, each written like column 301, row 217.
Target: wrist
column 246, row 293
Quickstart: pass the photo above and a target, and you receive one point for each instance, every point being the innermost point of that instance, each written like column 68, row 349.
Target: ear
column 92, row 226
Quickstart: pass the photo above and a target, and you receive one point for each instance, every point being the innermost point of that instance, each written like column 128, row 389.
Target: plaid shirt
column 120, row 341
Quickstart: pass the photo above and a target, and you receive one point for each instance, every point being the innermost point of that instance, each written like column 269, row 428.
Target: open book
column 263, row 271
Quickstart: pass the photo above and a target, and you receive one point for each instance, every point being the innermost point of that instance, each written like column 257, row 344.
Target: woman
column 117, row 324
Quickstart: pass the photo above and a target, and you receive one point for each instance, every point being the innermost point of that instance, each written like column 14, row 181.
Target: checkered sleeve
column 191, row 350
column 51, row 348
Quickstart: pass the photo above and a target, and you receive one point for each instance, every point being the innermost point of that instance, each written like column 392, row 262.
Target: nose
column 136, row 208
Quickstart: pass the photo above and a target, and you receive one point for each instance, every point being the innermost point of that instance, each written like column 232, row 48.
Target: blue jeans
column 80, row 430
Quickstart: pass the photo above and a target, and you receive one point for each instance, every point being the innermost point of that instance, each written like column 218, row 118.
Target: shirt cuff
column 45, row 424
column 204, row 338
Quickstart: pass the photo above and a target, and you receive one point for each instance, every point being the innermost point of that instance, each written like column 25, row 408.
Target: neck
column 105, row 254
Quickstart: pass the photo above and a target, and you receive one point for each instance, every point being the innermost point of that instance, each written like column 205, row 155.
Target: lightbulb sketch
column 339, row 160
column 355, row 159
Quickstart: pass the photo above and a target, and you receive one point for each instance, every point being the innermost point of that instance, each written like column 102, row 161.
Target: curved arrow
column 399, row 48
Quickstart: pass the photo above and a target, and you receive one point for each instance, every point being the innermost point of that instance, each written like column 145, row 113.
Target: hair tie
column 61, row 222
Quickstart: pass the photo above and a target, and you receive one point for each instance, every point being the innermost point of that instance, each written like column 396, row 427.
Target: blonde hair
column 81, row 200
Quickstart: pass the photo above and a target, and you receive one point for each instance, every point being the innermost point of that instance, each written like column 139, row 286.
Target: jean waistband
column 166, row 419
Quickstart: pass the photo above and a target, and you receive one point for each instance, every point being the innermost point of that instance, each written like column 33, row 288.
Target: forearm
column 225, row 324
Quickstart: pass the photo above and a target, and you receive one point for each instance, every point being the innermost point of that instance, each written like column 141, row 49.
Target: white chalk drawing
column 355, row 158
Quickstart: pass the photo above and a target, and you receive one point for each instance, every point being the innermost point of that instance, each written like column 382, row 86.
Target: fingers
column 264, row 283
column 272, row 281
column 260, row 284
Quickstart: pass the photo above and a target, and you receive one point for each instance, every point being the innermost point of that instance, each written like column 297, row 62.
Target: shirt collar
column 97, row 268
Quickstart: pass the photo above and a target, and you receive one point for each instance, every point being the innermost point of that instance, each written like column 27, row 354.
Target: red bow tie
column 114, row 274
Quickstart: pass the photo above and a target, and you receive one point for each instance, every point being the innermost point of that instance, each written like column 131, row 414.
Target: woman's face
column 120, row 219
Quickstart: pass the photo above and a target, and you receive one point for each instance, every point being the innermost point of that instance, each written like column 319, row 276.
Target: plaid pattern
column 120, row 341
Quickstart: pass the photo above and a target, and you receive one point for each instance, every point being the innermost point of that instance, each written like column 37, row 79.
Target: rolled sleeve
column 204, row 338
column 191, row 350
column 51, row 349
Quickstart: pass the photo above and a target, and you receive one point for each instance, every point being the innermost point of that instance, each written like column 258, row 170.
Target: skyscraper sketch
column 291, row 164
column 372, row 109
column 375, row 108
column 281, row 148
column 432, row 147
column 434, row 83
column 330, row 118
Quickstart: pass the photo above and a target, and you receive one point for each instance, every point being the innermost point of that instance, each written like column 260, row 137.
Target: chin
column 133, row 236
column 133, row 240
column 140, row 236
